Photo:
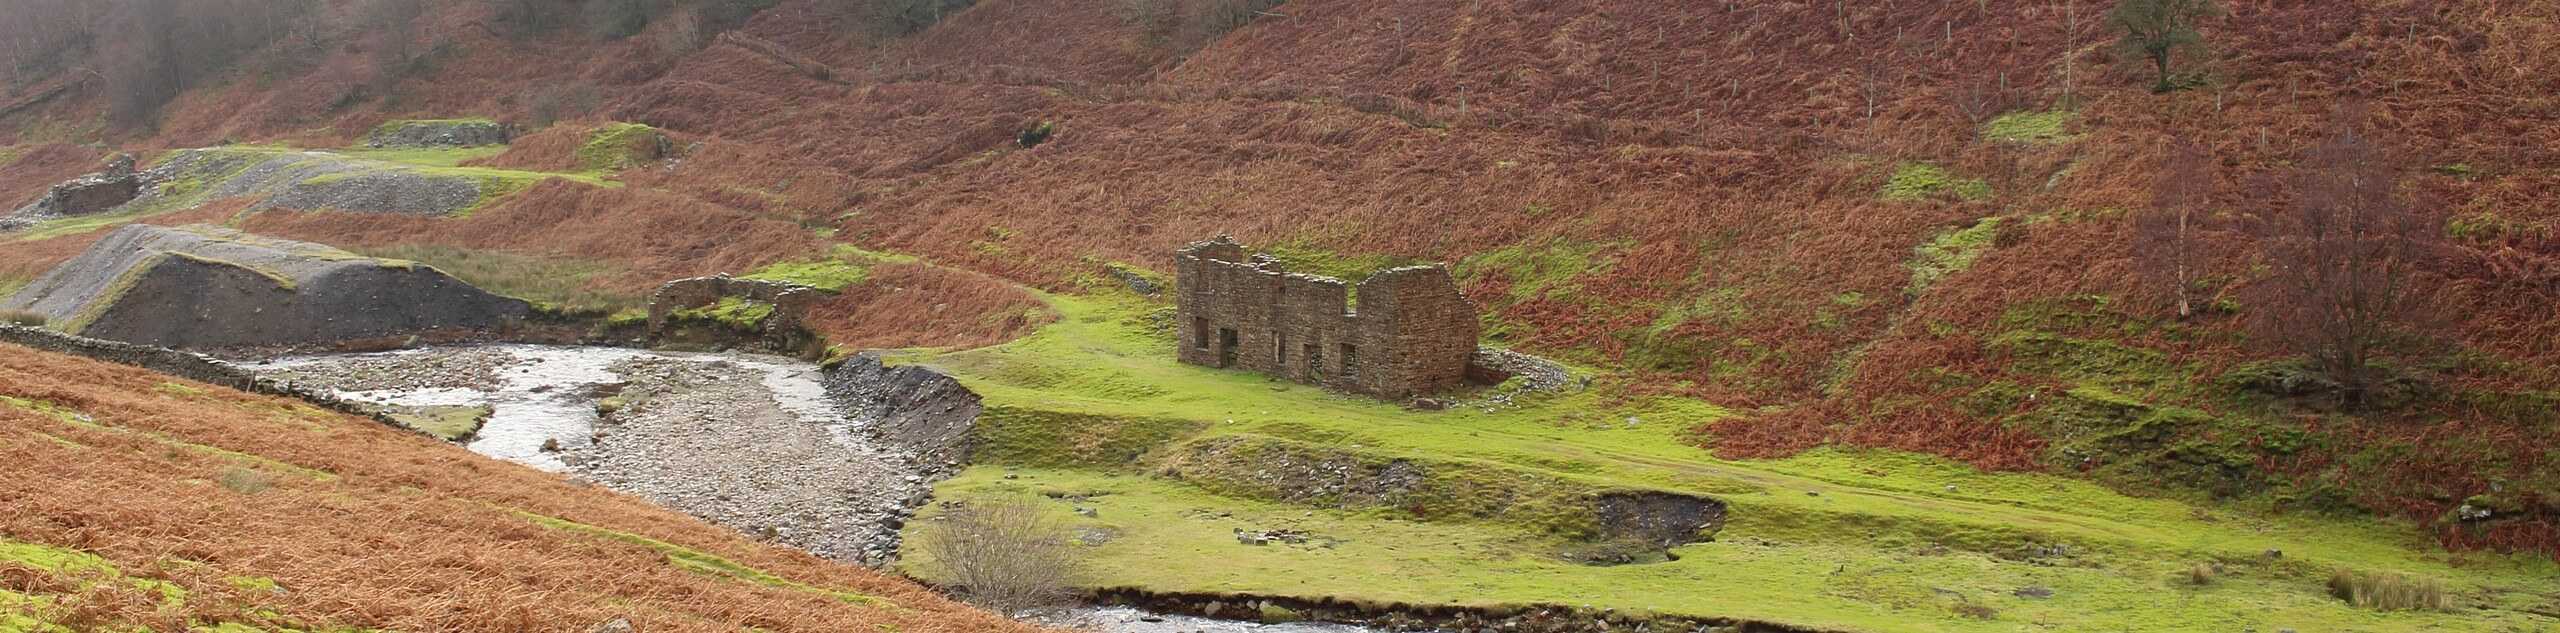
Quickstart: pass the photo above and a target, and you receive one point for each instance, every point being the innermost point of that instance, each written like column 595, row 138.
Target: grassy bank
column 1093, row 411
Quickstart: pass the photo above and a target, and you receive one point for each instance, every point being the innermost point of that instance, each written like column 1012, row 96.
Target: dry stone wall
column 1412, row 333
column 187, row 365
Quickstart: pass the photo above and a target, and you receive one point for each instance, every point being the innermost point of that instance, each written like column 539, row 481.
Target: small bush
column 22, row 317
column 1004, row 554
column 551, row 103
column 2388, row 592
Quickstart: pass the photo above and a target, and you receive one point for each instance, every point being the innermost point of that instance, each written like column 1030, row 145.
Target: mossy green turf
column 843, row 267
column 1921, row 181
column 31, row 613
column 1831, row 539
column 2030, row 126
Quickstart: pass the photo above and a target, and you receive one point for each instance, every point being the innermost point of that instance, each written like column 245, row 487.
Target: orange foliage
column 411, row 534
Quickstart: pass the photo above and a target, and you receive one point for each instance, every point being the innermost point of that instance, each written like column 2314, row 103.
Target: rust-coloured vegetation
column 1688, row 191
column 355, row 524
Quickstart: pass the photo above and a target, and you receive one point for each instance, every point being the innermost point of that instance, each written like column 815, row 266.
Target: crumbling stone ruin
column 781, row 326
column 1411, row 333
column 87, row 195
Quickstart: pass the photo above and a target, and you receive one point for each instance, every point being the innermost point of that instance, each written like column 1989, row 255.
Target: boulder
column 210, row 287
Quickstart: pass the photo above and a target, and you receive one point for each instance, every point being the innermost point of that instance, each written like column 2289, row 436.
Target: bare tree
column 2158, row 29
column 2169, row 247
column 1004, row 554
column 2346, row 260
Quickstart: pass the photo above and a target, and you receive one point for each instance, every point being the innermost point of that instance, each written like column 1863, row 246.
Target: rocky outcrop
column 210, row 287
column 441, row 133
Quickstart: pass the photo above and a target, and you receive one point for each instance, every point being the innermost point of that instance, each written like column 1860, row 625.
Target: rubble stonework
column 784, row 330
column 1411, row 333
column 90, row 194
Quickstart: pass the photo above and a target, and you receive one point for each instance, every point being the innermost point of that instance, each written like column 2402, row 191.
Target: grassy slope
column 136, row 501
column 1835, row 539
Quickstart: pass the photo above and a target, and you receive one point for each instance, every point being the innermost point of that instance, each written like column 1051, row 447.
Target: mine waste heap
column 210, row 287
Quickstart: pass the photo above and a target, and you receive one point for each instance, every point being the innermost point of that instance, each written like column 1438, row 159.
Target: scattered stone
column 616, row 625
column 453, row 133
column 2034, row 593
column 1089, row 513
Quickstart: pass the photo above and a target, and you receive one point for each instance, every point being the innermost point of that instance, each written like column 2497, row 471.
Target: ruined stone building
column 1410, row 332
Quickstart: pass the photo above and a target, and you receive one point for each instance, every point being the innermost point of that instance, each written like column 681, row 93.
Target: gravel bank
column 751, row 442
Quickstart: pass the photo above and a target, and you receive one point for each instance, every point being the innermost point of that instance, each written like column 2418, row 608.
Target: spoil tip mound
column 209, row 287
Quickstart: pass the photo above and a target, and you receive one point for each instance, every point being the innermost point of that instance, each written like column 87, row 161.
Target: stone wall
column 1411, row 333
column 187, row 365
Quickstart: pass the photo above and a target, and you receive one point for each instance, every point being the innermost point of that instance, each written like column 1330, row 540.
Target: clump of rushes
column 22, row 317
column 2387, row 592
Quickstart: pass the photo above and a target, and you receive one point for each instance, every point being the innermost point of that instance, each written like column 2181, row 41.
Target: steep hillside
column 1897, row 225
column 138, row 500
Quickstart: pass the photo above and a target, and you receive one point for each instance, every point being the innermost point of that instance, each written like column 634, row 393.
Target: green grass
column 844, row 266
column 2039, row 127
column 427, row 156
column 560, row 283
column 1092, row 404
column 1950, row 253
column 733, row 312
column 1921, row 181
column 704, row 562
column 450, row 423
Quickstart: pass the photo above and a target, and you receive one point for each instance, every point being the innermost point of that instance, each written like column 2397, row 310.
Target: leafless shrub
column 1005, row 554
column 2347, row 259
column 551, row 103
column 2170, row 250
column 156, row 49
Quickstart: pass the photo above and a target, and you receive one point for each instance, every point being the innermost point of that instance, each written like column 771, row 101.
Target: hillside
column 1903, row 226
column 139, row 500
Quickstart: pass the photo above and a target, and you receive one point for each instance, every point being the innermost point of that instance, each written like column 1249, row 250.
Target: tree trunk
column 2160, row 59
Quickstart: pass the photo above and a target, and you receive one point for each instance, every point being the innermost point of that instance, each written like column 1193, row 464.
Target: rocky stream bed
column 755, row 443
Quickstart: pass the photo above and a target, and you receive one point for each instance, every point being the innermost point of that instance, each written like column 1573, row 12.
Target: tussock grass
column 21, row 317
column 2388, row 592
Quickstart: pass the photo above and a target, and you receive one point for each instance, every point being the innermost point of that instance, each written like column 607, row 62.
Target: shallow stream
column 548, row 395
